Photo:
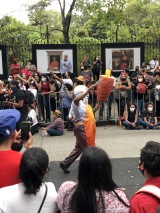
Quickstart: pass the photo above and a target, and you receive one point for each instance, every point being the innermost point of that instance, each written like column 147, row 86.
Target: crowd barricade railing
column 112, row 109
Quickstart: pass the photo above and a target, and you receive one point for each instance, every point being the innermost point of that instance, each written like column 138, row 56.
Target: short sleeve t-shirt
column 9, row 167
column 149, row 116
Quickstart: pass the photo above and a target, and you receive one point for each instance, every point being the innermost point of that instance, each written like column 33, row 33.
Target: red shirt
column 15, row 71
column 145, row 202
column 45, row 87
column 9, row 167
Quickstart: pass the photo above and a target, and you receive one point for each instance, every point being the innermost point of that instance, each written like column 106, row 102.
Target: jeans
column 54, row 132
column 109, row 107
column 129, row 126
column 144, row 124
column 140, row 106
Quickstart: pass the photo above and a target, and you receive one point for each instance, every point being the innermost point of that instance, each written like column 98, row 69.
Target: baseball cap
column 8, row 120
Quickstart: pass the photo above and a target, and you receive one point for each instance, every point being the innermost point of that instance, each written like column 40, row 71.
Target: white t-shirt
column 32, row 114
column 13, row 199
column 34, row 92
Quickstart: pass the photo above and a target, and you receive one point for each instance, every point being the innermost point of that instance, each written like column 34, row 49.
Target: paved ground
column 123, row 147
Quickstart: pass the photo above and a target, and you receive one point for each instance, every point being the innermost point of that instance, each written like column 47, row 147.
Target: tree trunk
column 66, row 20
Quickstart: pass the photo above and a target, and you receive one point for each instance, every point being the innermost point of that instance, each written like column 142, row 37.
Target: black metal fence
column 91, row 47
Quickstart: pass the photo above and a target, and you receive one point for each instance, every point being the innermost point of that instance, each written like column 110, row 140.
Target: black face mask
column 123, row 79
column 14, row 62
column 142, row 171
column 154, row 58
column 137, row 69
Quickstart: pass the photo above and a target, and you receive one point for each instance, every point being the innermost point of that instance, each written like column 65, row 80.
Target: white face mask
column 140, row 80
column 43, row 79
column 132, row 109
column 10, row 79
column 148, row 68
column 150, row 109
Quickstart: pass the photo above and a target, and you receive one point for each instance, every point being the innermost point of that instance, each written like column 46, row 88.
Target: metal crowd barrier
column 113, row 107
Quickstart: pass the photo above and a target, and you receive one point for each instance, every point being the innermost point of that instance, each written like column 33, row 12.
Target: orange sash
column 90, row 126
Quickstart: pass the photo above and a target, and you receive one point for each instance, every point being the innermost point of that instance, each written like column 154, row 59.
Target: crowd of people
column 51, row 92
column 22, row 174
column 22, row 178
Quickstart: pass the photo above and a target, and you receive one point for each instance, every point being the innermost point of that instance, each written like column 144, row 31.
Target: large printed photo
column 119, row 56
column 58, row 58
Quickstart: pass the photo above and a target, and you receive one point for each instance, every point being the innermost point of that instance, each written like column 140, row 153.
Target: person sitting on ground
column 149, row 118
column 31, row 193
column 131, row 116
column 95, row 190
column 57, row 127
column 10, row 160
column 146, row 200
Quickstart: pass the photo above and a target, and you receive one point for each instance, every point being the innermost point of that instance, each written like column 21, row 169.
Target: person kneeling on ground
column 57, row 127
column 131, row 116
column 149, row 118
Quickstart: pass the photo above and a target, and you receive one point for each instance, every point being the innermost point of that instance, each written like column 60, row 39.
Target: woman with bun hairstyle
column 28, row 196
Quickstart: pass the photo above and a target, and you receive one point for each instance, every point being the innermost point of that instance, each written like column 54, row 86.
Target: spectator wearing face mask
column 141, row 90
column 149, row 118
column 30, row 67
column 131, row 117
column 154, row 63
column 15, row 67
column 43, row 97
column 123, row 89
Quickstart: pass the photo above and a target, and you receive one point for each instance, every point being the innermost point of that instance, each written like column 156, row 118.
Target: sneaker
column 63, row 167
column 138, row 127
column 157, row 127
column 44, row 134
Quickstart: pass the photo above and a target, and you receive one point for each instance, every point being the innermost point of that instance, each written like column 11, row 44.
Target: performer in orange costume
column 84, row 124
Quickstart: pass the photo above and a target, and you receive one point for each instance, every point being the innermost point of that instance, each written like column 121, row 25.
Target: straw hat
column 80, row 78
column 57, row 112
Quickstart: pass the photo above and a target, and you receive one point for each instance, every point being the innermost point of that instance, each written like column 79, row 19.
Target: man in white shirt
column 65, row 65
column 154, row 64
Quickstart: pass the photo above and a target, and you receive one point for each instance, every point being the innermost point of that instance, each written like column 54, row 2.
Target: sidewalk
column 123, row 146
column 116, row 141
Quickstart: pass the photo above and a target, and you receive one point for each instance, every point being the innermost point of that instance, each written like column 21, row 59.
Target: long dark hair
column 33, row 166
column 95, row 172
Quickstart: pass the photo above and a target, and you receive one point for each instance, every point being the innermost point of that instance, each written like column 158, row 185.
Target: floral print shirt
column 111, row 203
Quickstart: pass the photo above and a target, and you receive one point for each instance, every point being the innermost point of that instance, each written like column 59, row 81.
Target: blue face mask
column 14, row 89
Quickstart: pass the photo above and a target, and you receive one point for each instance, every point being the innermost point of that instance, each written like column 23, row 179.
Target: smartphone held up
column 25, row 129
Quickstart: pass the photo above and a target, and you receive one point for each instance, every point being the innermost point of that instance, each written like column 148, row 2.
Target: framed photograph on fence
column 51, row 57
column 119, row 56
column 3, row 63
